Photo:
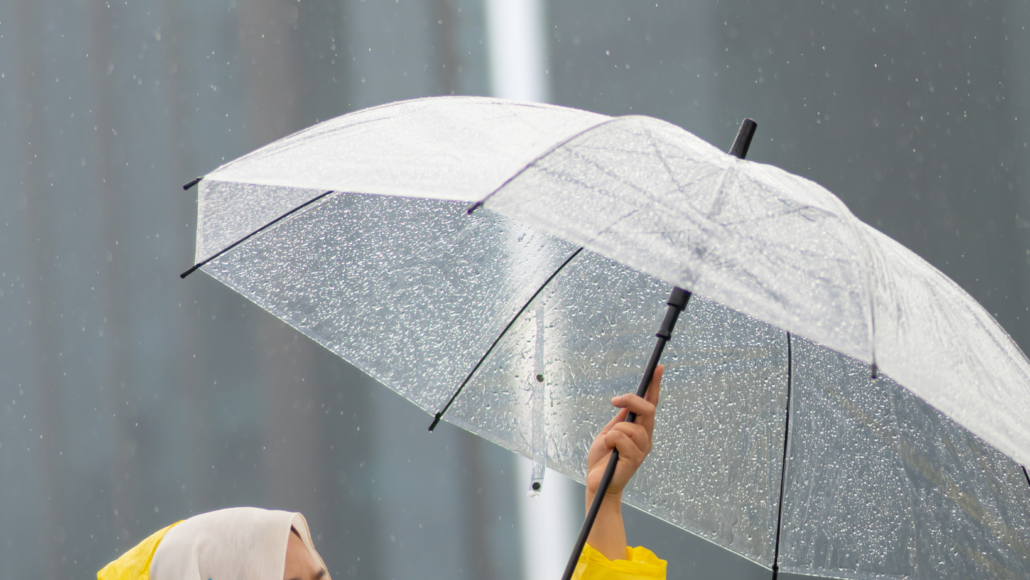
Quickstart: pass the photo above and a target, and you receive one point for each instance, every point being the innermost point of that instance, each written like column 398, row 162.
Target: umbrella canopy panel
column 411, row 291
column 454, row 148
column 880, row 483
column 416, row 293
column 220, row 222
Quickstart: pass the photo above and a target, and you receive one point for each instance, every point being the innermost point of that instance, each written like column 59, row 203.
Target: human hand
column 633, row 440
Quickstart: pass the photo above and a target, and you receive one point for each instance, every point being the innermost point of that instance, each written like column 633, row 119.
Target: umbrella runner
column 538, row 380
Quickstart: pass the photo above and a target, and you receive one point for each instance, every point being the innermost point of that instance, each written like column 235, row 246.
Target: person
column 257, row 544
column 243, row 542
column 606, row 555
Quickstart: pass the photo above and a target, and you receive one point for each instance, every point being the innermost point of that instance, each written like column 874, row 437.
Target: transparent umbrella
column 833, row 404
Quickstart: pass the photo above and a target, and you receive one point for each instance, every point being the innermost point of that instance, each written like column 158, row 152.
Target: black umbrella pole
column 677, row 303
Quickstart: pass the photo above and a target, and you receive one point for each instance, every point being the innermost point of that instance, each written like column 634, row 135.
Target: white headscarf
column 232, row 544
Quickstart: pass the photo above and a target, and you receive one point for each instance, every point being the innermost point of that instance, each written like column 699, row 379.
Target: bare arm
column 633, row 440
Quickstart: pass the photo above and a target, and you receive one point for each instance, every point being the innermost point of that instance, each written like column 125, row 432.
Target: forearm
column 608, row 534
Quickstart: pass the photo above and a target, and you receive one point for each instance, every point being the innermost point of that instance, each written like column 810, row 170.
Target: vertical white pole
column 517, row 49
column 547, row 525
column 517, row 35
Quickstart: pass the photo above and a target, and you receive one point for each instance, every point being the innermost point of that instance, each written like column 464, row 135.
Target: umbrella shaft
column 677, row 303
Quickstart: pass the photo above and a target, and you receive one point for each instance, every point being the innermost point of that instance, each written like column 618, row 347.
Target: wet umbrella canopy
column 360, row 232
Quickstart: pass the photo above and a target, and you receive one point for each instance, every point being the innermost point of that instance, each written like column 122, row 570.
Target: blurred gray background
column 130, row 399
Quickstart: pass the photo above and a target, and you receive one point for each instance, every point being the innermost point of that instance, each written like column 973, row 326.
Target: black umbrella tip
column 190, row 271
column 743, row 141
column 436, row 420
column 192, row 183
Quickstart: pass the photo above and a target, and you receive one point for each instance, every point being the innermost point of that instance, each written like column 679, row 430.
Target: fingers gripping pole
column 677, row 303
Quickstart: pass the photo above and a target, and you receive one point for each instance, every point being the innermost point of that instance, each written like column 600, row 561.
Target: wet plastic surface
column 452, row 148
column 880, row 483
column 652, row 196
column 221, row 223
column 412, row 292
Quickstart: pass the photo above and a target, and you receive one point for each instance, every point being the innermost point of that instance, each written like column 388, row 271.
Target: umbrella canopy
column 479, row 256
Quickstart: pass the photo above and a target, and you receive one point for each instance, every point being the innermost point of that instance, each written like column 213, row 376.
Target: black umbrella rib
column 439, row 415
column 783, row 465
column 1026, row 475
column 196, row 267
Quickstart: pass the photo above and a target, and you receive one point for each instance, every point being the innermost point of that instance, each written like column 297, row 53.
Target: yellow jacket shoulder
column 640, row 564
column 135, row 563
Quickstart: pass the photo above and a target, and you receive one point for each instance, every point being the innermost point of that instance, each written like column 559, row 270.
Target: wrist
column 612, row 500
column 608, row 534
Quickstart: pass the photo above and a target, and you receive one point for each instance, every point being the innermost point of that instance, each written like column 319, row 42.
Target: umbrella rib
column 554, row 148
column 783, row 465
column 254, row 233
column 439, row 415
column 1026, row 475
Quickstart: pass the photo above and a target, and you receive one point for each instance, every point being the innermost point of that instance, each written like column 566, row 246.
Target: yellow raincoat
column 640, row 564
column 135, row 564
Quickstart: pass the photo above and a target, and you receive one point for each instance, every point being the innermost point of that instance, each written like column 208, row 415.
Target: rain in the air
column 514, row 290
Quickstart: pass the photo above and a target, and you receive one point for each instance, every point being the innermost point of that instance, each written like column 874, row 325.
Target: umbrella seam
column 439, row 415
column 869, row 260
